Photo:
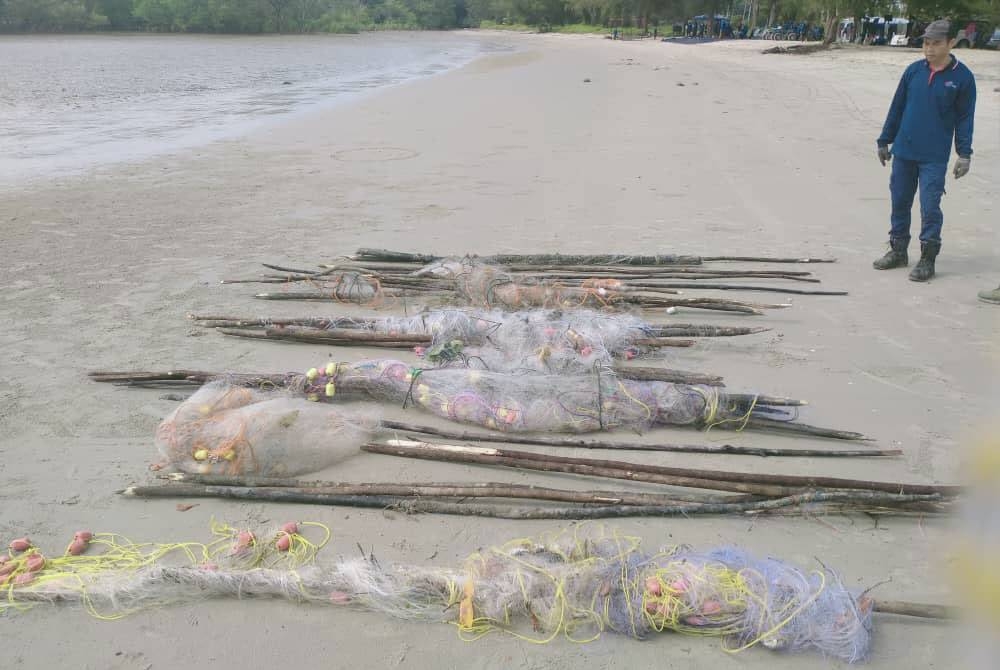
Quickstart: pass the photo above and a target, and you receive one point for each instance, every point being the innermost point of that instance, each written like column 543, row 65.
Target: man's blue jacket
column 929, row 108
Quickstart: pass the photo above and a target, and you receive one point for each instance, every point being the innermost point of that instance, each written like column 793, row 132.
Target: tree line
column 263, row 16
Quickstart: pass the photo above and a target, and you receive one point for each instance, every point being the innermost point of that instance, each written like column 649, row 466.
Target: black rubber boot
column 924, row 269
column 896, row 257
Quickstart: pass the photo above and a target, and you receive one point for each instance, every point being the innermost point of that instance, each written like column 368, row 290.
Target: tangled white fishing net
column 578, row 583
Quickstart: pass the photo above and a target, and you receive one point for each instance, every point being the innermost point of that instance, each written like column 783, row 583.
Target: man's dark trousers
column 903, row 187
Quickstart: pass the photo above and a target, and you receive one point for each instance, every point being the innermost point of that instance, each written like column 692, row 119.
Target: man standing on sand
column 934, row 102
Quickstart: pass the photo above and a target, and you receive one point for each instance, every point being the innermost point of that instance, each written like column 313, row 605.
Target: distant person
column 934, row 103
column 970, row 33
column 991, row 296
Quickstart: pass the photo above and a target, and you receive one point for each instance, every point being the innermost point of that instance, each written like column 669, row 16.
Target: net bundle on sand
column 578, row 583
column 470, row 281
column 540, row 340
column 532, row 402
column 535, row 340
column 225, row 429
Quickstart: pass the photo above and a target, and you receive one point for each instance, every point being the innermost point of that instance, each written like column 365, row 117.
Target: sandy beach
column 571, row 144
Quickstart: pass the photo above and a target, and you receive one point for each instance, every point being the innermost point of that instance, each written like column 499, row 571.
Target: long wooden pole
column 201, row 376
column 460, row 490
column 786, row 483
column 728, row 449
column 583, row 259
column 416, row 505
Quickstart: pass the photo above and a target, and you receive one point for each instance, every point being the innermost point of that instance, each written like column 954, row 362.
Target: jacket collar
column 951, row 66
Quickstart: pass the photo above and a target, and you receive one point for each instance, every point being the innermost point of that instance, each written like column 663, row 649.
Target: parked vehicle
column 994, row 41
column 975, row 34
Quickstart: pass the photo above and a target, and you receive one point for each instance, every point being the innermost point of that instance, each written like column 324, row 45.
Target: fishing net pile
column 566, row 403
column 226, row 429
column 535, row 340
column 578, row 583
column 486, row 285
column 470, row 281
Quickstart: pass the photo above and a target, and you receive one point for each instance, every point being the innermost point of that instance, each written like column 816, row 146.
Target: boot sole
column 921, row 281
column 988, row 301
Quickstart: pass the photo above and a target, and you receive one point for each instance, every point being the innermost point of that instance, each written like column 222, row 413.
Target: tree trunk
column 831, row 29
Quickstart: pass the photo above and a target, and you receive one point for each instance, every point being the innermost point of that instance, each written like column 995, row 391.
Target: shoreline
column 116, row 135
column 680, row 149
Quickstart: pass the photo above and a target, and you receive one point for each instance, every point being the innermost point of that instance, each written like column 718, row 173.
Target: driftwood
column 799, row 49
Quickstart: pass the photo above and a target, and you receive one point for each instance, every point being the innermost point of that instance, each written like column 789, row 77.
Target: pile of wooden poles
column 296, row 382
column 742, row 493
column 348, row 332
column 641, row 281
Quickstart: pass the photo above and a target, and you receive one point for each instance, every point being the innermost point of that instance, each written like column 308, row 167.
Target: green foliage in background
column 258, row 16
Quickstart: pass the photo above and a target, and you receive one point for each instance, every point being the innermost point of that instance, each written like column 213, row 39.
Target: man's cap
column 937, row 30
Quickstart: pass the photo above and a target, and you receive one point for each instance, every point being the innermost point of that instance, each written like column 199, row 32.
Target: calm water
column 72, row 102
